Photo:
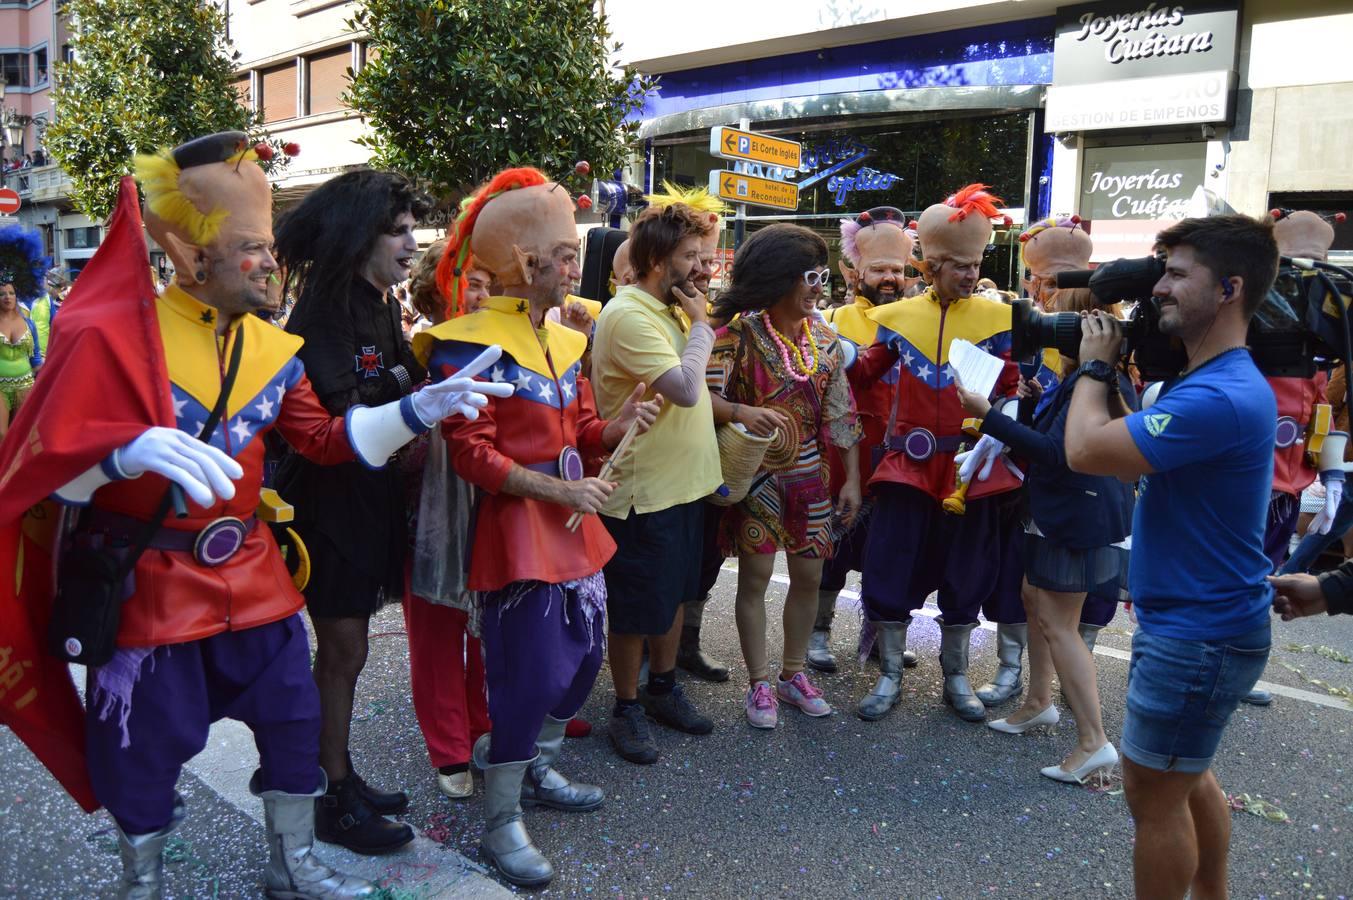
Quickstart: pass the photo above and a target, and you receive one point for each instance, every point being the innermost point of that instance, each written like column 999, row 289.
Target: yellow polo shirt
column 677, row 460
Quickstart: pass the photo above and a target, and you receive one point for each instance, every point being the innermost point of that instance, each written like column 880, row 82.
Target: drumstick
column 619, row 451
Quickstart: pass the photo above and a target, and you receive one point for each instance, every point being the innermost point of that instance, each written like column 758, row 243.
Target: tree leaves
column 147, row 74
column 463, row 88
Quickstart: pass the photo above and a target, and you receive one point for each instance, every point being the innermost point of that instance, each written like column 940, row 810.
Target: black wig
column 323, row 241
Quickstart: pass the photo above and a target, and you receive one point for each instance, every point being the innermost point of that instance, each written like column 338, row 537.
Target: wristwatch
column 1099, row 370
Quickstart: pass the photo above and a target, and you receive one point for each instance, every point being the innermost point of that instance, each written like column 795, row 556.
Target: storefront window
column 909, row 165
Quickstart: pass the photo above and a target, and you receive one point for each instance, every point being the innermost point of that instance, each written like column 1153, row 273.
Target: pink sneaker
column 761, row 706
column 799, row 691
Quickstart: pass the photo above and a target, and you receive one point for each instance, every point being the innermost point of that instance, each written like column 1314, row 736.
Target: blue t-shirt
column 1198, row 568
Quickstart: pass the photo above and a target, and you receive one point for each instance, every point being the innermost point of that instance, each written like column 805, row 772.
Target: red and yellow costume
column 917, row 332
column 519, row 538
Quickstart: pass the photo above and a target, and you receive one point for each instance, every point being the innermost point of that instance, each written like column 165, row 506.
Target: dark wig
column 323, row 241
column 769, row 266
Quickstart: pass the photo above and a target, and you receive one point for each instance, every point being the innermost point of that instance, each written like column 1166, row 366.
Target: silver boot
column 143, row 858
column 544, row 786
column 1089, row 634
column 891, row 641
column 506, row 843
column 820, row 652
column 294, row 872
column 1010, row 643
column 954, row 661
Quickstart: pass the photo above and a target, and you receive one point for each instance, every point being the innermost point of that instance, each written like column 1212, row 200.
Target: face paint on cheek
column 247, row 266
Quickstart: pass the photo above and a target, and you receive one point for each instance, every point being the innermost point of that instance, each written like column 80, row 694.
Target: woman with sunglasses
column 778, row 369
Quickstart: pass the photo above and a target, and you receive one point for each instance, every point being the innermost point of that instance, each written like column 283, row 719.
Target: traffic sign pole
column 740, row 222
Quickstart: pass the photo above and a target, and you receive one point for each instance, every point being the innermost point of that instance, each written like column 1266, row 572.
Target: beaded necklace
column 804, row 363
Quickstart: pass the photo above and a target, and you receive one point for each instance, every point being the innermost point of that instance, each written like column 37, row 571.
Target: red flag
column 104, row 382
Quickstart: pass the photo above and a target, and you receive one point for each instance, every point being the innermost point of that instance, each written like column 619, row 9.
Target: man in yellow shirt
column 654, row 332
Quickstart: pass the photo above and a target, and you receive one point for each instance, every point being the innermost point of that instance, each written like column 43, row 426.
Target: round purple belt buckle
column 219, row 541
column 1289, row 431
column 919, row 444
column 570, row 464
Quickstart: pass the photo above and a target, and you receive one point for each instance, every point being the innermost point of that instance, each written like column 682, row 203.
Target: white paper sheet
column 975, row 368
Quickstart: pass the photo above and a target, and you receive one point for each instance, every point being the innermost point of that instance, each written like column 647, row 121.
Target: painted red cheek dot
column 246, row 265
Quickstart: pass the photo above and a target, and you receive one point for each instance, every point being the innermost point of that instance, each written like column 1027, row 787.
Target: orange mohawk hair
column 974, row 199
column 451, row 269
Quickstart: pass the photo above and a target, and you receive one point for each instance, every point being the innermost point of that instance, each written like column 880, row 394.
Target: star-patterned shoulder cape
column 913, row 325
column 506, row 321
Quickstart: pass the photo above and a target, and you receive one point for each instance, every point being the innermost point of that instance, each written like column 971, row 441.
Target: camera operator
column 1301, row 595
column 1204, row 452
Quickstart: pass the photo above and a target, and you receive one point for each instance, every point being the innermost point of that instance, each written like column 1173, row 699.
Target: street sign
column 748, row 146
column 738, row 188
column 9, row 201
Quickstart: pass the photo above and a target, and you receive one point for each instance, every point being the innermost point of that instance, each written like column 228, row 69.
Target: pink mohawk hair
column 850, row 228
column 974, row 199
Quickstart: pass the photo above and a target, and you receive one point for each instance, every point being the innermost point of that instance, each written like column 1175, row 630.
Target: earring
column 199, row 276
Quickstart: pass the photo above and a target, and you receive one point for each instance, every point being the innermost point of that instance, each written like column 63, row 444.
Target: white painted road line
column 1281, row 690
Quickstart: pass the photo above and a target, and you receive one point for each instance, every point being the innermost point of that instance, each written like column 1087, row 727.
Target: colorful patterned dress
column 789, row 506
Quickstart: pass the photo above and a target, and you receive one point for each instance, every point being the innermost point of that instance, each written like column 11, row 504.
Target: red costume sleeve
column 471, row 445
column 590, row 424
column 873, row 363
column 308, row 427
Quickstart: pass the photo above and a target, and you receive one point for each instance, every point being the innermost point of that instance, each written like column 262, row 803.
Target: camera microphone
column 1073, row 278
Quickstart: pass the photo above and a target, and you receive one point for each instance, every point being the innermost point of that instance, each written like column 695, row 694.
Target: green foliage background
column 147, row 74
column 459, row 89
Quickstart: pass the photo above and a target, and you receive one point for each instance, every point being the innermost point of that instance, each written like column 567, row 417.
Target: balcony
column 39, row 184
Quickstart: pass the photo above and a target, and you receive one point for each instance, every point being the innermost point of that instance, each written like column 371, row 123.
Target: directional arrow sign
column 748, row 146
column 738, row 188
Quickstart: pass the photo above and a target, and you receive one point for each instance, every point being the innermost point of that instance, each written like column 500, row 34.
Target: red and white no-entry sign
column 9, row 202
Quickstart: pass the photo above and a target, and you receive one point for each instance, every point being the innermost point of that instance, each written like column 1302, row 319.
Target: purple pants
column 1098, row 610
column 915, row 548
column 1283, row 511
column 259, row 676
column 848, row 554
column 1006, row 604
column 542, row 645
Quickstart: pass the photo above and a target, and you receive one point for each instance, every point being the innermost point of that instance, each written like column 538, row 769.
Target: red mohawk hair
column 974, row 199
column 451, row 269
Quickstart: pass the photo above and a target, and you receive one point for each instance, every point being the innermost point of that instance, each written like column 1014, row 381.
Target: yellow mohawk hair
column 699, row 199
column 159, row 178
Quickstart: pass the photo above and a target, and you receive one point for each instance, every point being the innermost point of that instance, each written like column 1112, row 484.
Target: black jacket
column 1070, row 509
column 1337, row 585
column 354, row 354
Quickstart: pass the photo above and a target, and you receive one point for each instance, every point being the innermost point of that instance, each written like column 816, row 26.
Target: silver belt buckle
column 219, row 541
column 1289, row 432
column 919, row 444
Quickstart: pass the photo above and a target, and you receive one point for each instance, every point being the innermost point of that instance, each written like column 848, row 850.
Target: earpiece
column 1226, row 290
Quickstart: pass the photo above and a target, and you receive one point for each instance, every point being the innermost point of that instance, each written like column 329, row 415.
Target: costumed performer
column 23, row 270
column 210, row 628
column 915, row 547
column 541, row 590
column 875, row 252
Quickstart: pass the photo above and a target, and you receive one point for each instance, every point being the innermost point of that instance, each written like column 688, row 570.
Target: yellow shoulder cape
column 506, row 321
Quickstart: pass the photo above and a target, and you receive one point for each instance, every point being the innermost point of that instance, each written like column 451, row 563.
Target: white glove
column 985, row 454
column 1334, row 492
column 205, row 473
column 460, row 394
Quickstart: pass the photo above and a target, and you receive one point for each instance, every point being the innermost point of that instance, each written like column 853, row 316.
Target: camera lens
column 1032, row 330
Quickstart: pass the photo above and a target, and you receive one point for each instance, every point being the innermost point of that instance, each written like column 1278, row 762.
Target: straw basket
column 740, row 456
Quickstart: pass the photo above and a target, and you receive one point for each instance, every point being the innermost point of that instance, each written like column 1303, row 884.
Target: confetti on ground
column 1327, row 652
column 1257, row 806
column 1333, row 690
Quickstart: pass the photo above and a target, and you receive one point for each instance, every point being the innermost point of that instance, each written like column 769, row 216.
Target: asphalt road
column 918, row 805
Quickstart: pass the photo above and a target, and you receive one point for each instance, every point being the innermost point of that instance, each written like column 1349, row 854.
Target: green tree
column 455, row 90
column 147, row 74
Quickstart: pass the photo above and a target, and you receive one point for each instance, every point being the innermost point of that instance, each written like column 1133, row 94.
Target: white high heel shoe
column 1105, row 757
column 1049, row 716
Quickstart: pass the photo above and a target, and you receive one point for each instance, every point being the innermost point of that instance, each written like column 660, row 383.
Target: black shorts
column 655, row 569
column 338, row 589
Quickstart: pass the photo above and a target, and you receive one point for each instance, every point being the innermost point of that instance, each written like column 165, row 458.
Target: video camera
column 1299, row 321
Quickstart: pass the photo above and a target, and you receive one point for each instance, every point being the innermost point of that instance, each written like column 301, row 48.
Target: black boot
column 343, row 817
column 694, row 660
column 387, row 803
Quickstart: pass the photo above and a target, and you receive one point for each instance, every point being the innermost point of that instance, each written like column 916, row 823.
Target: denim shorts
column 1181, row 694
